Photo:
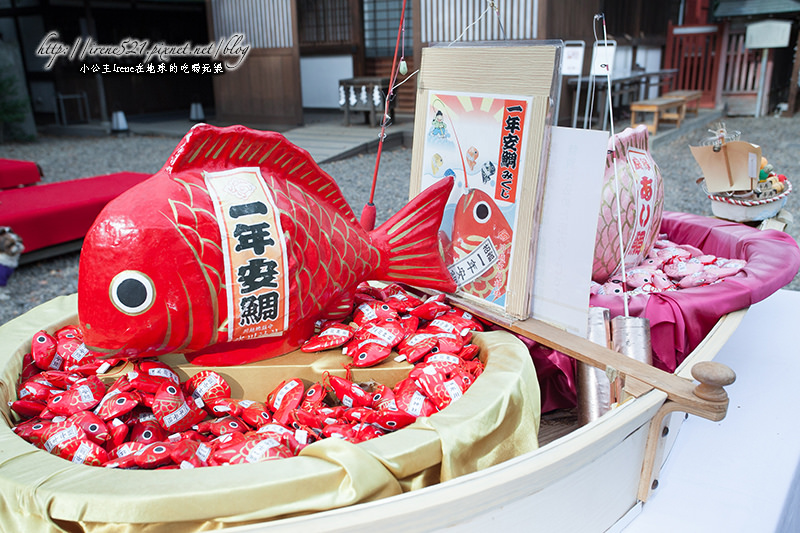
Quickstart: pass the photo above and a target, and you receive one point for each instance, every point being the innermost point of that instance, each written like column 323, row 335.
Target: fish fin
column 209, row 148
column 342, row 309
column 410, row 241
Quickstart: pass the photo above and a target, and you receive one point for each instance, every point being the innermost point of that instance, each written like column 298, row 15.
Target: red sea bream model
column 235, row 248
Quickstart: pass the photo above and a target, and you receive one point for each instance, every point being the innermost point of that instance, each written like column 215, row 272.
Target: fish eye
column 120, row 401
column 94, row 428
column 172, row 390
column 147, row 434
column 41, row 339
column 132, row 292
column 482, row 212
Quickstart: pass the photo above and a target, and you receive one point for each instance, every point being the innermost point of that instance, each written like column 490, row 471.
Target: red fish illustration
column 153, row 276
column 477, row 218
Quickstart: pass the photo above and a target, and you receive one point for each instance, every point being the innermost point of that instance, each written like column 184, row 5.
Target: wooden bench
column 691, row 97
column 661, row 108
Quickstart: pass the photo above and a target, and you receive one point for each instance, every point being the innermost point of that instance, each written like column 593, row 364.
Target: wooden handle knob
column 712, row 377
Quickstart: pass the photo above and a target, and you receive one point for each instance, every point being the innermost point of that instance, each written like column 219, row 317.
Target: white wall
column 319, row 77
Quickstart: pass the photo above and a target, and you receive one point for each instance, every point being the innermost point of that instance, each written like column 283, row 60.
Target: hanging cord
column 471, row 25
column 616, row 174
column 499, row 21
column 368, row 214
column 591, row 87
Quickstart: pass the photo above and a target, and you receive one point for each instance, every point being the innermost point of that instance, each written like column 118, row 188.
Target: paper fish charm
column 234, row 249
column 478, row 223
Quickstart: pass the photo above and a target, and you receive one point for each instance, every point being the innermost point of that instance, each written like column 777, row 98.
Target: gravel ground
column 65, row 158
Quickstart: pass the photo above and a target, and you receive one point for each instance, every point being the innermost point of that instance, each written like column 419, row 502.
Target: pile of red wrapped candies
column 148, row 419
column 670, row 266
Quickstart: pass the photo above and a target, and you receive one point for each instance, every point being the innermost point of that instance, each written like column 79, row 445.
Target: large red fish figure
column 235, row 248
column 476, row 218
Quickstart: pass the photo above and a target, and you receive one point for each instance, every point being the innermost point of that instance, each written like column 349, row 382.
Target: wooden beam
column 678, row 389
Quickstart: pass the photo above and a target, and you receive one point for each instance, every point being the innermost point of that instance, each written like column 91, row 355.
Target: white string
column 616, row 174
column 499, row 22
column 405, row 80
column 471, row 25
column 454, row 41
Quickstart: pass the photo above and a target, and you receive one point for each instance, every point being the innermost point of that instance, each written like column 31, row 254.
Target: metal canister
column 592, row 385
column 631, row 336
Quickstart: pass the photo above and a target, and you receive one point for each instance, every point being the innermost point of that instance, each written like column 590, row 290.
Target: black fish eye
column 94, row 428
column 132, row 292
column 482, row 212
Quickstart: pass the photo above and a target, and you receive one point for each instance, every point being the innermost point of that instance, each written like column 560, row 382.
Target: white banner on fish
column 475, row 264
column 256, row 270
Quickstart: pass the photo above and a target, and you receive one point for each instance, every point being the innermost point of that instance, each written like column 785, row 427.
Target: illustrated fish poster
column 483, row 116
column 479, row 141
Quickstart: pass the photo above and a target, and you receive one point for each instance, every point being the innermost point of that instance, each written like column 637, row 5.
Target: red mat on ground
column 14, row 173
column 55, row 213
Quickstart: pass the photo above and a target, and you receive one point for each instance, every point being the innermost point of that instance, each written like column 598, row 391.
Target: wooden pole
column 793, row 84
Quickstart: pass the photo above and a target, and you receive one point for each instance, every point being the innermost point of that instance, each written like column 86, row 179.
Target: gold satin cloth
column 495, row 420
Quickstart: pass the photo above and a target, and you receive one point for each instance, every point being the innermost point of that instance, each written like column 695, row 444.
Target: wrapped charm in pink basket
column 641, row 191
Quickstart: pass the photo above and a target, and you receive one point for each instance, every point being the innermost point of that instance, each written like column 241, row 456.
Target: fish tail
column 409, row 241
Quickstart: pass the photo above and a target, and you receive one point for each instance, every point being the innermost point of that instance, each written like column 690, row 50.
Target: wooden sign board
column 733, row 168
column 482, row 118
column 768, row 34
